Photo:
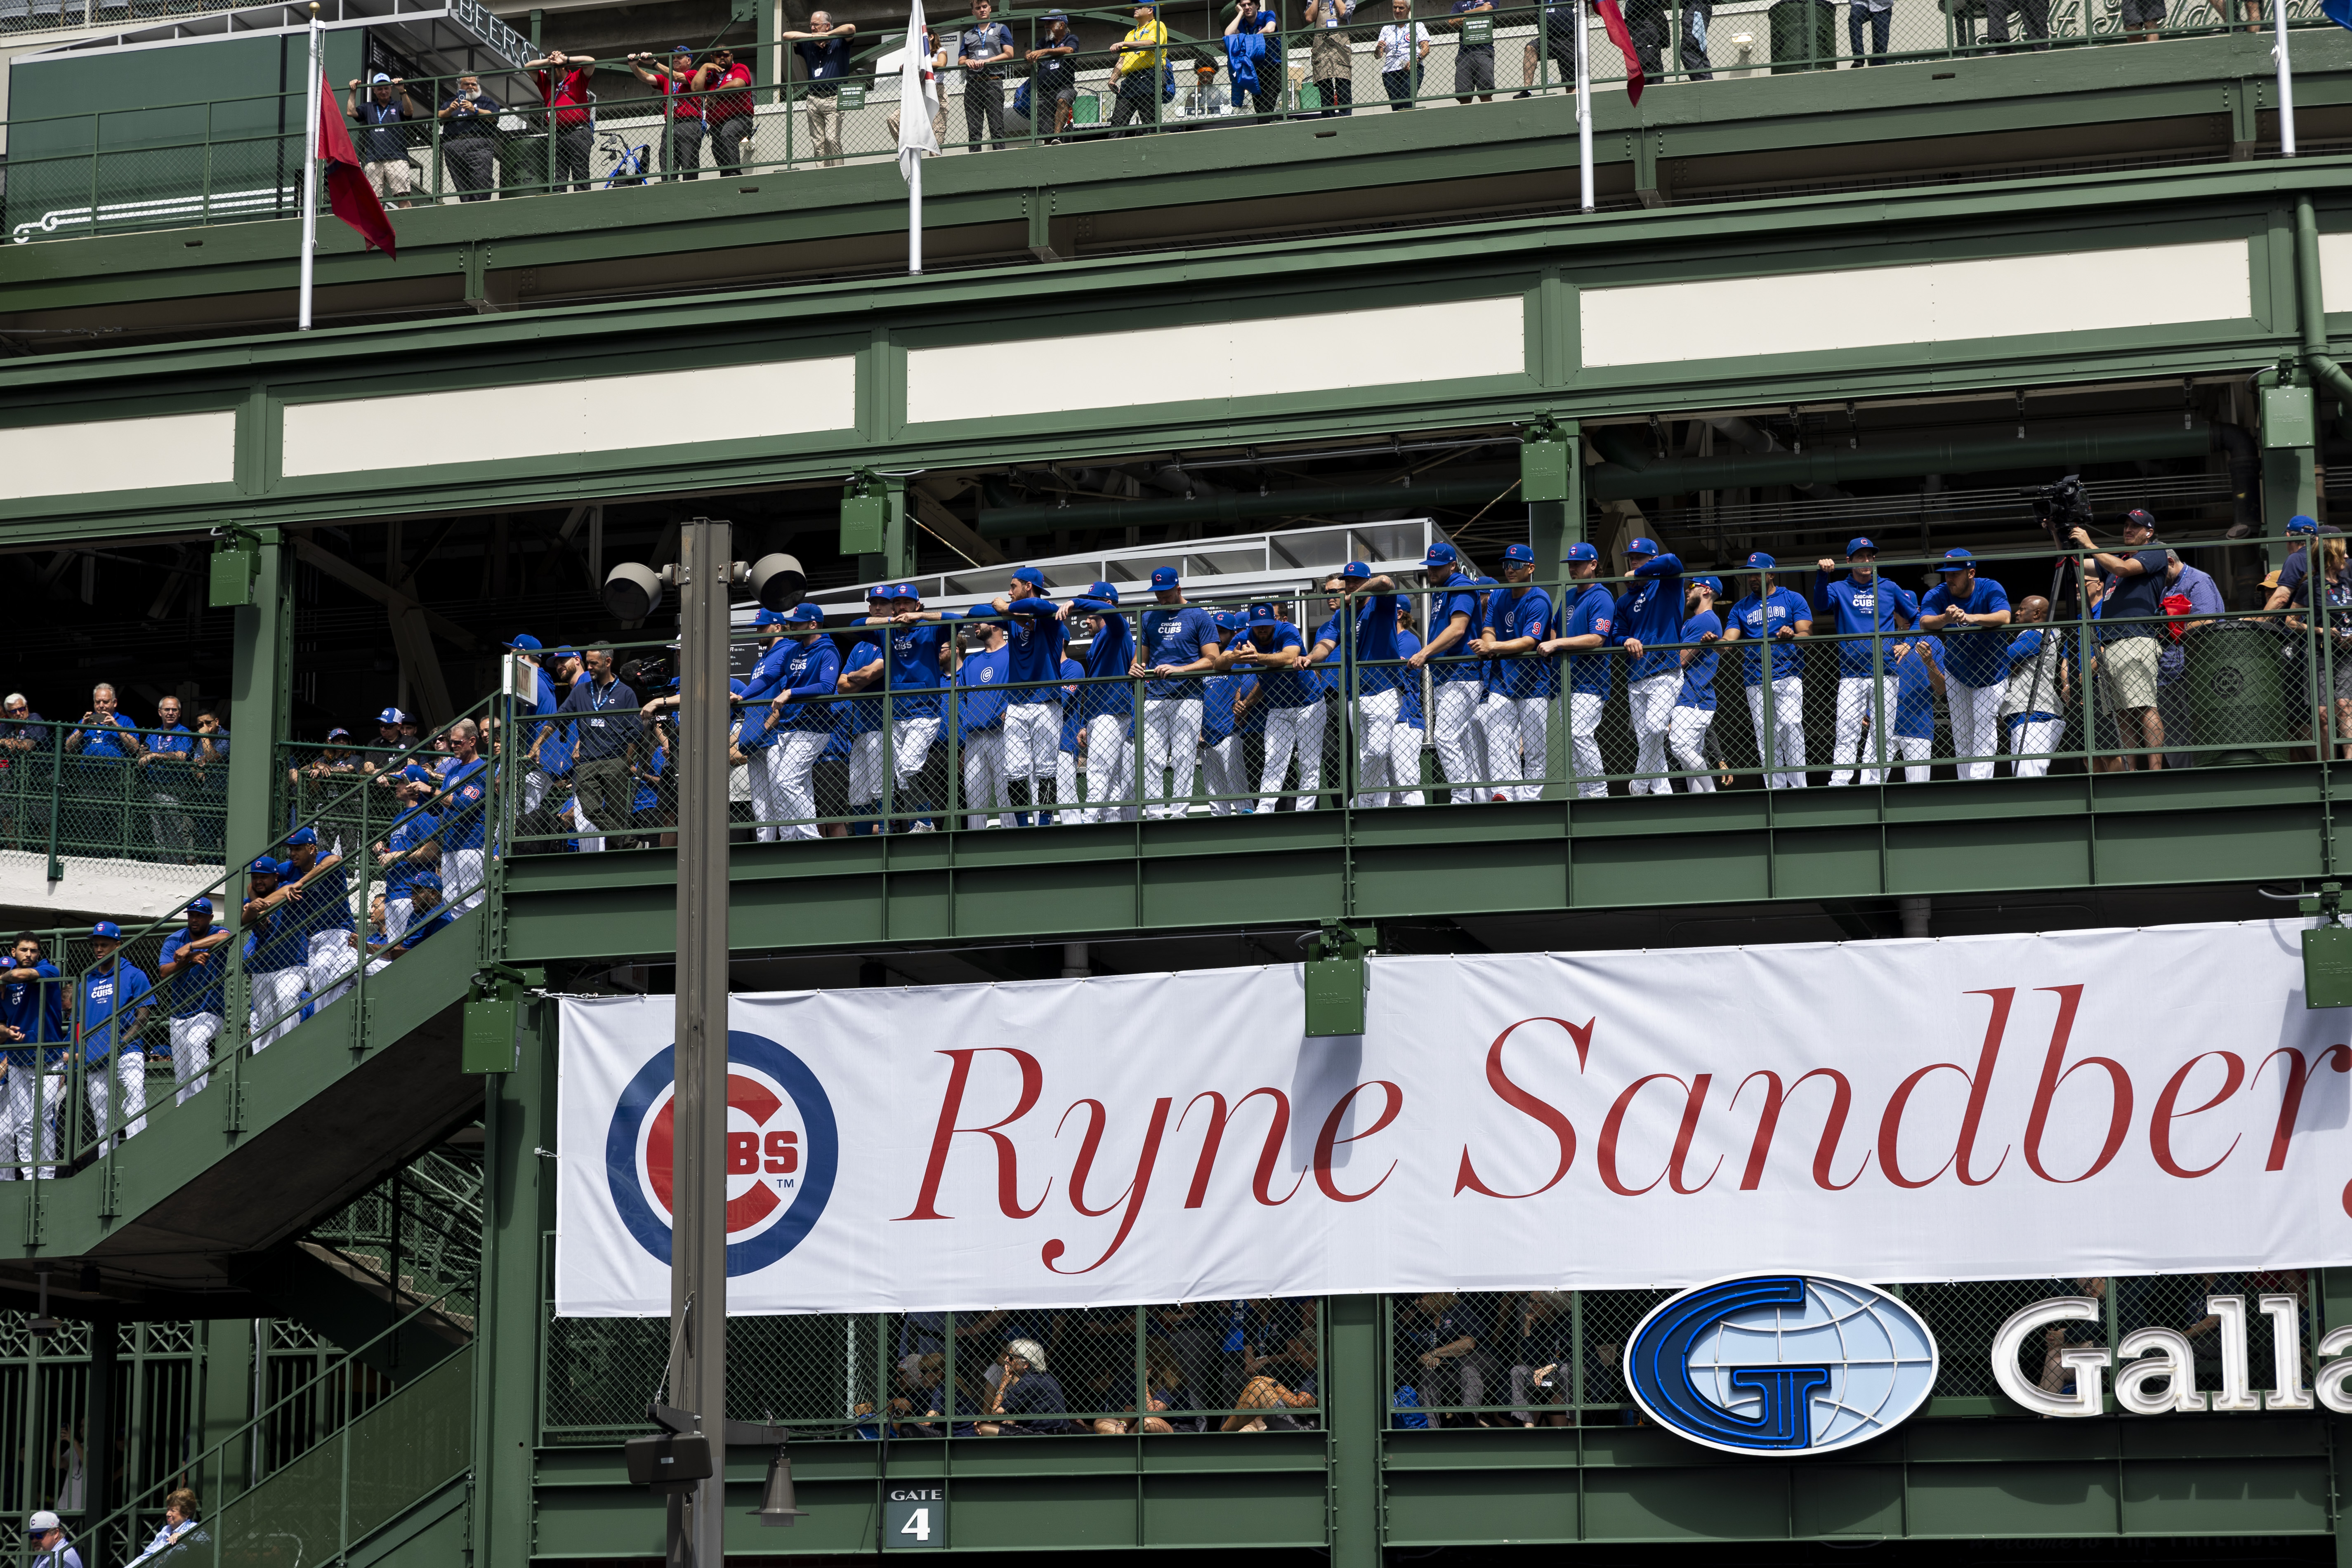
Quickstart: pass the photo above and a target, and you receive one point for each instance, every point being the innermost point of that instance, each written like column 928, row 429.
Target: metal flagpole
column 915, row 213
column 917, row 98
column 697, row 1289
column 1583, row 108
column 2285, row 82
column 310, row 165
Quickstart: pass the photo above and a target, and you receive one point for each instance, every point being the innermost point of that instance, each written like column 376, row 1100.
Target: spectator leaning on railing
column 382, row 145
column 1695, row 703
column 409, row 848
column 823, row 49
column 104, row 731
column 1864, row 609
column 983, row 48
column 469, row 138
column 167, row 769
column 1767, row 617
column 1053, row 76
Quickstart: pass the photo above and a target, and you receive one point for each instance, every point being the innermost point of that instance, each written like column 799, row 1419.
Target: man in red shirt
column 682, row 155
column 728, row 109
column 566, row 85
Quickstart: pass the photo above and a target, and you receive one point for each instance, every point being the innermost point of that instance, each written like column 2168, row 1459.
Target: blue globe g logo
column 1781, row 1364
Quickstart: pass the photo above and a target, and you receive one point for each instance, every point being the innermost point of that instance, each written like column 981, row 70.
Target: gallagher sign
column 2086, row 1104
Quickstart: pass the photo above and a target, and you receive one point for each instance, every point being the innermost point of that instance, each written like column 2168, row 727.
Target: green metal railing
column 205, row 162
column 79, row 791
column 114, row 1024
column 369, row 1450
column 2075, row 692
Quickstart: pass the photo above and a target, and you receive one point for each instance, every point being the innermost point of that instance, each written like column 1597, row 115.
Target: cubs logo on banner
column 2074, row 1104
column 782, row 1150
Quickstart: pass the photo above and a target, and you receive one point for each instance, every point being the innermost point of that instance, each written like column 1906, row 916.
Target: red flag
column 349, row 194
column 1614, row 20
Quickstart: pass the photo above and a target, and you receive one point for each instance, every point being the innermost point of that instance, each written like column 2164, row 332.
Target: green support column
column 259, row 695
column 2290, row 479
column 1554, row 524
column 1357, row 1401
column 517, row 1207
column 229, row 1400
column 2334, row 1310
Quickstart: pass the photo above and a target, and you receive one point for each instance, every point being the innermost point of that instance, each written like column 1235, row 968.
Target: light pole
column 698, row 1273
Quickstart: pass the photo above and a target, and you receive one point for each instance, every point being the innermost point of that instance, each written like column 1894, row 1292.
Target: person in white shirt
column 1404, row 45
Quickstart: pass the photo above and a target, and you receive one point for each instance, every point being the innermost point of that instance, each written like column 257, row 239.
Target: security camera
column 631, row 591
column 777, row 582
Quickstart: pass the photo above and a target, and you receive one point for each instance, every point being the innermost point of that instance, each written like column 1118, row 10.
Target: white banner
column 2078, row 1104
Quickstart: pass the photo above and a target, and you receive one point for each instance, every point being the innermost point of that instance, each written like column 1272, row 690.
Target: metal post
column 2285, row 84
column 309, row 177
column 1354, row 1402
column 98, row 1437
column 697, row 1292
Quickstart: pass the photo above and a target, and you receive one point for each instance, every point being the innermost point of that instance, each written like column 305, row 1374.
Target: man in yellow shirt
column 1141, row 55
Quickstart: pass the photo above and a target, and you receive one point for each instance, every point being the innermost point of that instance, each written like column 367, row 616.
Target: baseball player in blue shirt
column 1066, row 758
column 1587, row 618
column 980, row 718
column 1693, row 712
column 1525, row 678
column 1969, row 610
column 1460, row 680
column 757, row 739
column 1179, row 648
column 801, row 719
column 1288, row 703
column 922, row 657
column 1106, row 700
column 1648, row 622
column 865, row 668
column 1865, row 608
column 1411, row 730
column 190, row 973
column 33, row 1011
column 1220, row 744
column 1362, row 627
column 1918, row 676
column 526, row 650
column 1766, row 618
column 321, row 892
column 2033, row 707
column 276, row 952
column 111, row 1008
column 1033, row 702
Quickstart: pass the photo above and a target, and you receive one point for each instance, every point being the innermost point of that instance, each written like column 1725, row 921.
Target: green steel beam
column 518, row 1208
column 2094, row 830
column 260, row 699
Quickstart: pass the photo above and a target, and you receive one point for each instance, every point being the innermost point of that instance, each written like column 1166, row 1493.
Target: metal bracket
column 1335, row 977
column 108, row 1189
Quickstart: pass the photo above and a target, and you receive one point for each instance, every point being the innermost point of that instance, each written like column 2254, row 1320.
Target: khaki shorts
column 391, row 177
column 2127, row 673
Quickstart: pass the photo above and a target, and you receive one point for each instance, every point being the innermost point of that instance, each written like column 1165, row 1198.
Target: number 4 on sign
column 918, row 1524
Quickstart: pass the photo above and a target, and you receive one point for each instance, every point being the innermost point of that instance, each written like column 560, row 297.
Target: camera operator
column 2129, row 629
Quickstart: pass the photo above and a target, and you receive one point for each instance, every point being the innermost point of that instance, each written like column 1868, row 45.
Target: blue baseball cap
column 524, row 643
column 905, row 591
column 1857, row 544
column 1580, row 551
column 342, row 734
column 2141, row 516
column 200, row 906
column 1165, row 578
column 391, row 716
column 560, row 654
column 1031, row 575
column 425, row 880
column 1263, row 616
column 264, row 867
column 302, row 836
column 1712, row 585
column 1355, row 572
column 682, row 49
column 1228, row 621
column 1484, row 582
column 417, row 772
column 1642, row 547
column 1107, row 594
column 1441, row 554
column 800, row 614
column 766, row 618
column 1519, row 556
column 1759, row 562
column 107, row 928
column 2299, row 523
column 1958, row 559
column 879, row 594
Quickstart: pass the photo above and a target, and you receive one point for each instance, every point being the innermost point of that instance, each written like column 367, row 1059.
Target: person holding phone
column 469, row 138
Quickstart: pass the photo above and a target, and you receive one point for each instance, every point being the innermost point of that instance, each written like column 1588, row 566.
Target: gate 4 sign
column 915, row 1517
column 782, row 1150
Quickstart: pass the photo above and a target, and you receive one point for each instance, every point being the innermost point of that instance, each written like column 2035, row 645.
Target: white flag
column 918, row 97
